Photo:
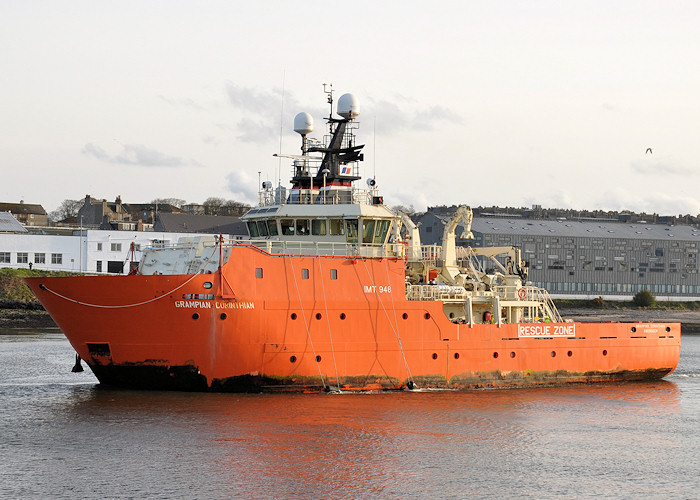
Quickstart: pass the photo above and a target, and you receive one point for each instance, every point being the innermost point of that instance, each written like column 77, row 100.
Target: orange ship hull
column 280, row 322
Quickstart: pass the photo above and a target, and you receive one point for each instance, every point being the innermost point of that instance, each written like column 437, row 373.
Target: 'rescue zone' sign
column 546, row 330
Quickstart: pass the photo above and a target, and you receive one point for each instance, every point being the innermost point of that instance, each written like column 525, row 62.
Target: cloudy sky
column 482, row 103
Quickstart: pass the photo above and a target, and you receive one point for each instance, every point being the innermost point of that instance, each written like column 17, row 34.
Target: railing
column 527, row 295
column 297, row 247
column 315, row 196
column 436, row 292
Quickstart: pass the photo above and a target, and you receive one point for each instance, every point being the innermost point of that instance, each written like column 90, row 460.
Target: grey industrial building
column 590, row 258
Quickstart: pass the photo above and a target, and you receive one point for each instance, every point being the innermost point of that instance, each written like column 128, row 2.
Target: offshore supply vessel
column 334, row 291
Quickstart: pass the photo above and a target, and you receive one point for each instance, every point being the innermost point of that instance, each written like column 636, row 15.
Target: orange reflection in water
column 350, row 444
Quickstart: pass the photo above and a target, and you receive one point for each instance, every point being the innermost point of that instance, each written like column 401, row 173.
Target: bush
column 598, row 303
column 13, row 289
column 643, row 298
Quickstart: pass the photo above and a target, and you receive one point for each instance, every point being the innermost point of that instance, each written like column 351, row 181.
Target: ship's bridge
column 348, row 229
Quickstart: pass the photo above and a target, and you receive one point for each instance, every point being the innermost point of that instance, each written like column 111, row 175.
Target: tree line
column 212, row 206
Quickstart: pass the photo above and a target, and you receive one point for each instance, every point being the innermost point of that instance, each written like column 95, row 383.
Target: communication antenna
column 374, row 148
column 328, row 89
column 279, row 163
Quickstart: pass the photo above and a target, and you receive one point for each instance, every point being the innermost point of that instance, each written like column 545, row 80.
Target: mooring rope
column 328, row 322
column 303, row 315
column 393, row 327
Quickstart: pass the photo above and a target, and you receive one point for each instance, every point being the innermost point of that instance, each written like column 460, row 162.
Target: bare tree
column 66, row 210
column 176, row 202
column 212, row 206
column 232, row 207
column 406, row 210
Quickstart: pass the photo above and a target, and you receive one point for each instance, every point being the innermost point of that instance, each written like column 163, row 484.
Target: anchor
column 77, row 367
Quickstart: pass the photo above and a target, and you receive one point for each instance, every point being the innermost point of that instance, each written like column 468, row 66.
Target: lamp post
column 81, row 244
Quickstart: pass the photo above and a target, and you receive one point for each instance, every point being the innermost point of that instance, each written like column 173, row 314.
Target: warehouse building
column 590, row 258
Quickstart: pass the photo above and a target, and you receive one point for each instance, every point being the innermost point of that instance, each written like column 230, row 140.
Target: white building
column 87, row 251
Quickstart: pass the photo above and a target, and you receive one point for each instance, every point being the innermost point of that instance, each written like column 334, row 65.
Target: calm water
column 63, row 437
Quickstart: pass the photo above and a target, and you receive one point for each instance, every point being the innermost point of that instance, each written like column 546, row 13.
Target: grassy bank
column 14, row 291
column 18, row 306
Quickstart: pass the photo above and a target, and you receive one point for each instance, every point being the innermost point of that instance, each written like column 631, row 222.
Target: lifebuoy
column 522, row 293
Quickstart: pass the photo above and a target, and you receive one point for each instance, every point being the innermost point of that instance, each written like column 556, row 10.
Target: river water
column 62, row 436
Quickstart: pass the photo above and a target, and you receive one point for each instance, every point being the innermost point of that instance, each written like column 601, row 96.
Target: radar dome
column 303, row 124
column 348, row 106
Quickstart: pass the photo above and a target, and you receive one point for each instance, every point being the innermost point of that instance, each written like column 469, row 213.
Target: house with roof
column 10, row 225
column 209, row 224
column 28, row 214
column 119, row 216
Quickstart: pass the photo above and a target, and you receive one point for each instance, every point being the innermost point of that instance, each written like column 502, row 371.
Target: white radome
column 303, row 123
column 348, row 106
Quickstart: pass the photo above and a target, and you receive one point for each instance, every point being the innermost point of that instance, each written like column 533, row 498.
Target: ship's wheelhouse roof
column 319, row 211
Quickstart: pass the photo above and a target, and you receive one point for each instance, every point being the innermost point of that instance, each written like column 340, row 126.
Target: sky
column 467, row 102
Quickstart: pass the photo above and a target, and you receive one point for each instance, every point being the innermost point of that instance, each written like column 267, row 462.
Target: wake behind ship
column 334, row 291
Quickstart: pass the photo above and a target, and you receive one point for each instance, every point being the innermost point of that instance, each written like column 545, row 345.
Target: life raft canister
column 522, row 293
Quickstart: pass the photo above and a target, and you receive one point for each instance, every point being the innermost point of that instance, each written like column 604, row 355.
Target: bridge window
column 380, row 231
column 336, row 227
column 367, row 230
column 272, row 227
column 302, row 227
column 287, row 227
column 253, row 229
column 351, row 230
column 262, row 228
column 318, row 227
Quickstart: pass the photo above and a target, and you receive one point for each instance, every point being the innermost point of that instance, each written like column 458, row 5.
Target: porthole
column 342, row 316
column 452, row 315
column 292, row 359
column 195, row 316
column 434, row 355
column 605, row 352
column 553, row 354
column 294, row 316
column 427, row 315
column 318, row 359
column 634, row 329
column 223, row 316
column 207, row 284
column 495, row 355
column 668, row 328
column 318, row 316
column 569, row 353
column 404, row 315
column 512, row 354
column 456, row 355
